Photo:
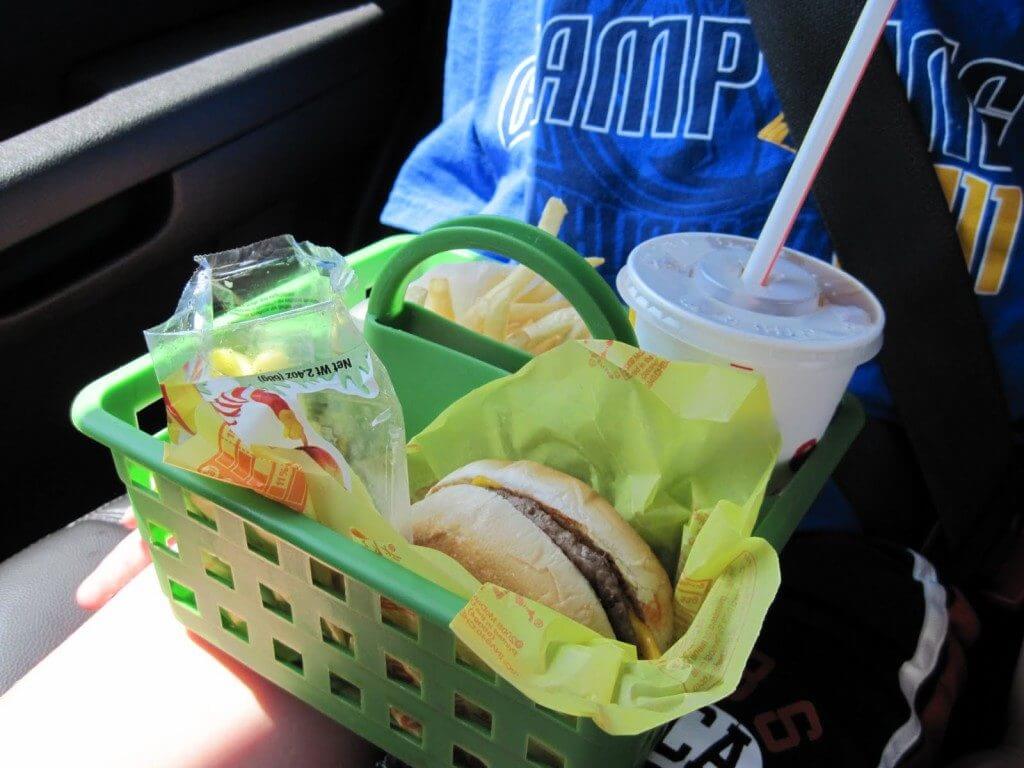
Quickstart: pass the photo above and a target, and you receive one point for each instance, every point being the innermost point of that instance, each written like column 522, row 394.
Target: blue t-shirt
column 655, row 116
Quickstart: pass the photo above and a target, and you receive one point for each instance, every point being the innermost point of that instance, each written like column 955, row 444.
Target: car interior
column 137, row 135
column 142, row 135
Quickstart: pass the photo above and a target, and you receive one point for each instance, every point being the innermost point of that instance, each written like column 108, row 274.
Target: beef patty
column 595, row 564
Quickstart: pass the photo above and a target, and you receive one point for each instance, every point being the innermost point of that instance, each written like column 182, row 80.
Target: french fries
column 540, row 290
column 417, row 294
column 520, row 309
column 526, row 312
column 439, row 298
column 554, row 325
column 552, row 216
column 579, row 329
column 543, row 346
column 489, row 314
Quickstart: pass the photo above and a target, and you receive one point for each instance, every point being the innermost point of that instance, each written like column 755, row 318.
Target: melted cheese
column 644, row 638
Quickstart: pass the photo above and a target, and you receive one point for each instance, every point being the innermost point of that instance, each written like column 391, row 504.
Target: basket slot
column 497, row 729
column 337, row 637
column 151, row 417
column 275, row 602
column 234, row 624
column 140, row 477
column 182, row 595
column 403, row 673
column 263, row 544
column 202, row 516
column 540, row 754
column 345, row 689
column 405, row 724
column 463, row 758
column 162, row 538
column 217, row 569
column 328, row 579
column 472, row 714
column 288, row 656
column 469, row 661
column 397, row 616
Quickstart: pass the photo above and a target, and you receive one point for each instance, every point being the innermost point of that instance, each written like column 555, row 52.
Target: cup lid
column 688, row 286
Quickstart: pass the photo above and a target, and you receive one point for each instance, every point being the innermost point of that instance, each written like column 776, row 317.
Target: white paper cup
column 806, row 350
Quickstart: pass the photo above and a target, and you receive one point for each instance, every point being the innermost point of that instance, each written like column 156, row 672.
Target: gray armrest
column 37, row 588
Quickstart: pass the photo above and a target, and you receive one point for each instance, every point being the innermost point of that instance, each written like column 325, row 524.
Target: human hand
column 133, row 687
column 120, row 566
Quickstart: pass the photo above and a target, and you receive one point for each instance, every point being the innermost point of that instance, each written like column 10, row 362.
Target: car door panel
column 203, row 139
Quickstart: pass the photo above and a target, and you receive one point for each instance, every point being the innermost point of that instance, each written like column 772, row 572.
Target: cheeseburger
column 552, row 538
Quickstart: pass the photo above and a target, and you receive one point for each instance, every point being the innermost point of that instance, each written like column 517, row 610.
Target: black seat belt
column 892, row 228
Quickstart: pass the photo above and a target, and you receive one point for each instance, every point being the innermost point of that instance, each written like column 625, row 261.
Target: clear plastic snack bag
column 270, row 385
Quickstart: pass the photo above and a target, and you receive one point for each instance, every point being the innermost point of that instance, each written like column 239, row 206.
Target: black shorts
column 859, row 662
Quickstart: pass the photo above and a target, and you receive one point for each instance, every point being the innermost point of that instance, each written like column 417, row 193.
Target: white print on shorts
column 705, row 738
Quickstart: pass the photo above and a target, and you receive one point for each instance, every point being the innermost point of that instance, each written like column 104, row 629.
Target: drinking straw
column 822, row 130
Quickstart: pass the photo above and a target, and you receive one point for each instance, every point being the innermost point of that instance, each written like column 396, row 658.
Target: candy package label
column 267, row 409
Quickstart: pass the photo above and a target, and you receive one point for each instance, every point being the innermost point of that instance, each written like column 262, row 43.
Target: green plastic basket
column 432, row 361
column 302, row 605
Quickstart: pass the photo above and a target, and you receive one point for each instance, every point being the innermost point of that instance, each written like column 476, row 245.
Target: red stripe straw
column 822, row 131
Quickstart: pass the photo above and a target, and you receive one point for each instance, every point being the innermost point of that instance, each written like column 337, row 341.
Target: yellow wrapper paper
column 682, row 450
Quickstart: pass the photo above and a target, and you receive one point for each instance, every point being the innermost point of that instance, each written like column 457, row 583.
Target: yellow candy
column 228, row 362
column 269, row 360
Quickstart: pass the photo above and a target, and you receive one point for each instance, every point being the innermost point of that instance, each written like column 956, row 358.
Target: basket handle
column 545, row 254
